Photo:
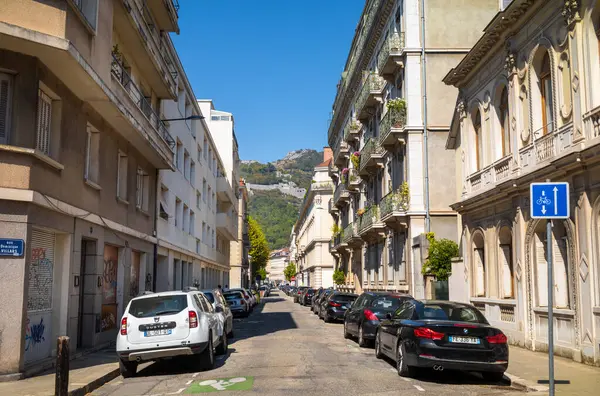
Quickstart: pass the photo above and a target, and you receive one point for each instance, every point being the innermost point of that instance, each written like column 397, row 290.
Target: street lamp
column 192, row 117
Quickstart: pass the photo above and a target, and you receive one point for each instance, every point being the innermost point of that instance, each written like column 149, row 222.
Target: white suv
column 169, row 324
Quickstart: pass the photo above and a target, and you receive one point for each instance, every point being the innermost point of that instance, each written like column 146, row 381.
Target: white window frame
column 6, row 83
column 122, row 158
column 142, row 190
column 92, row 155
column 44, row 122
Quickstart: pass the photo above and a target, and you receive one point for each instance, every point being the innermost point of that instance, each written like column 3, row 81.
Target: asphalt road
column 284, row 349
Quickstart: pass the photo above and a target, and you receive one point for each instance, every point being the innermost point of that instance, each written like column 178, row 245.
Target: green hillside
column 276, row 213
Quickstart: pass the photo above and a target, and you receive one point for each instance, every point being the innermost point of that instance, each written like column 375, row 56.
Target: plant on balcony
column 336, row 230
column 353, row 178
column 441, row 252
column 398, row 104
column 402, row 197
column 360, row 212
column 339, row 278
column 397, row 107
column 355, row 158
column 354, row 126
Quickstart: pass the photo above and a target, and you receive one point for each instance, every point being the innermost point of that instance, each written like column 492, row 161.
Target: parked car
column 363, row 318
column 315, row 297
column 167, row 325
column 319, row 300
column 306, row 298
column 298, row 293
column 334, row 307
column 253, row 300
column 246, row 297
column 215, row 297
column 238, row 304
column 442, row 335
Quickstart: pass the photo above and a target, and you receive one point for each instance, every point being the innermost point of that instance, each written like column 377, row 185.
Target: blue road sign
column 549, row 200
column 12, row 247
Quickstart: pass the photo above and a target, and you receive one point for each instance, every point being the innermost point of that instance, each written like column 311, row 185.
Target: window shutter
column 479, row 272
column 44, row 121
column 542, row 270
column 5, row 96
column 559, row 261
column 41, row 271
column 506, row 264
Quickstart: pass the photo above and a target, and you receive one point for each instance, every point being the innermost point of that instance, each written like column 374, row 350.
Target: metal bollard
column 61, row 384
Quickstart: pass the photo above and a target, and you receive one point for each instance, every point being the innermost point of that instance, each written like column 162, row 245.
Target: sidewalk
column 526, row 368
column 86, row 374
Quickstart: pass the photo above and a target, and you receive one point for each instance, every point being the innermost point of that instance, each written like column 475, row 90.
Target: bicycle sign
column 223, row 384
column 549, row 200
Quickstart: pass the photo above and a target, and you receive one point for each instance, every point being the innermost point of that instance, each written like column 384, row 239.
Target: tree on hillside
column 259, row 248
column 276, row 213
column 290, row 271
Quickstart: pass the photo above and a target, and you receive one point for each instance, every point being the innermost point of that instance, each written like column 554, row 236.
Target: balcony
column 340, row 153
column 369, row 222
column 354, row 180
column 390, row 56
column 139, row 33
column 227, row 226
column 352, row 131
column 395, row 205
column 332, row 208
column 370, row 95
column 224, row 191
column 371, row 156
column 332, row 170
column 337, row 242
column 490, row 175
column 591, row 121
column 166, row 13
column 391, row 129
column 350, row 235
column 341, row 196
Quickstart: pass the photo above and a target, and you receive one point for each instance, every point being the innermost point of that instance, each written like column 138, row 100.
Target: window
column 546, row 90
column 205, row 148
column 504, row 119
column 203, row 232
column 479, row 267
column 164, row 203
column 199, row 153
column 178, row 212
column 185, row 224
column 186, row 165
column 478, row 139
column 210, row 160
column 92, row 155
column 88, row 9
column 5, row 106
column 44, row 122
column 142, row 191
column 559, row 265
column 122, row 176
column 198, row 246
column 198, row 199
column 192, row 222
column 209, row 197
column 179, row 156
column 505, row 262
column 214, row 118
column 193, row 174
column 204, row 190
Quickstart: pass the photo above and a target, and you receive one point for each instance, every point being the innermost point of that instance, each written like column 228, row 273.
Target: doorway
column 87, row 272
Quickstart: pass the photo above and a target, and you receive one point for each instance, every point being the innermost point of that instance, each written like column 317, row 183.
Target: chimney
column 327, row 153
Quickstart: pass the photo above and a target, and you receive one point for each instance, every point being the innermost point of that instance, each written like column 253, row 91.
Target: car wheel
column 230, row 334
column 222, row 348
column 128, row 369
column 378, row 353
column 346, row 334
column 404, row 370
column 362, row 342
column 326, row 317
column 492, row 376
column 207, row 357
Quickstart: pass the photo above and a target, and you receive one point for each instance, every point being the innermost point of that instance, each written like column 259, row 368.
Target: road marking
column 176, row 393
column 195, row 375
column 405, row 379
column 189, row 382
column 419, row 388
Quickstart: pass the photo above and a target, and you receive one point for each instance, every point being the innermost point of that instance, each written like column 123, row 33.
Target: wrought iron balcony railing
column 372, row 85
column 372, row 148
column 393, row 45
column 368, row 218
column 392, row 121
column 395, row 201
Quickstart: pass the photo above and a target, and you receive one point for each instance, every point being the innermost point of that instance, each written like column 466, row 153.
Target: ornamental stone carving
column 571, row 12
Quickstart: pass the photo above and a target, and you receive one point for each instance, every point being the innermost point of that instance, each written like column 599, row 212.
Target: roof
column 324, row 164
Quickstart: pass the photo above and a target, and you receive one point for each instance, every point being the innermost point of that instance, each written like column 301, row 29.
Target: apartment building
column 193, row 240
column 313, row 230
column 81, row 145
column 278, row 260
column 391, row 116
column 528, row 110
column 240, row 264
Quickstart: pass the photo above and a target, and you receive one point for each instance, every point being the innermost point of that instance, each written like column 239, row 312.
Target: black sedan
column 306, row 298
column 334, row 307
column 317, row 294
column 442, row 335
column 317, row 303
column 363, row 318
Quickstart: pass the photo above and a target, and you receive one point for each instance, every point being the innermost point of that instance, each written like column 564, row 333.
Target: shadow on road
column 179, row 366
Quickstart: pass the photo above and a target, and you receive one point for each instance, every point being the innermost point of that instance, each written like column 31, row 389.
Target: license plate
column 465, row 340
column 152, row 333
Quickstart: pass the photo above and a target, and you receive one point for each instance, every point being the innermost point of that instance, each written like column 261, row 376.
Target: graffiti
column 148, row 281
column 108, row 319
column 40, row 280
column 109, row 275
column 134, row 282
column 34, row 334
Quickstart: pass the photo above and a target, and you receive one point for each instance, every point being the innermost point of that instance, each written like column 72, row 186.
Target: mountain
column 276, row 208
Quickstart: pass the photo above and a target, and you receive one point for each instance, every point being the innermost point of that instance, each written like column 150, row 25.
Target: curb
column 95, row 384
column 523, row 384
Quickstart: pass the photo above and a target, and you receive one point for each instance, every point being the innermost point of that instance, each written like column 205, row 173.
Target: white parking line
column 195, row 375
column 419, row 388
column 189, row 382
column 176, row 393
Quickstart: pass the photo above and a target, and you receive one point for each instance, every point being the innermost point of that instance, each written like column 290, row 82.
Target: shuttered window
column 507, row 271
column 41, row 267
column 480, row 272
column 5, row 97
column 542, row 270
column 44, row 122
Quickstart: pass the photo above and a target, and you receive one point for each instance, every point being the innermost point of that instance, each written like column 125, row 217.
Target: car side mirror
column 388, row 316
column 218, row 309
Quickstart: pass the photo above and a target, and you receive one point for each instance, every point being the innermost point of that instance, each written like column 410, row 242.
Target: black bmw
column 442, row 335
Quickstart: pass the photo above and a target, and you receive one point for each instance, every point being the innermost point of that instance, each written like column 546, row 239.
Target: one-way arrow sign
column 549, row 200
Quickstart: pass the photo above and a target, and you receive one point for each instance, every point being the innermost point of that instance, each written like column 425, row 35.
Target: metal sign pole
column 550, row 305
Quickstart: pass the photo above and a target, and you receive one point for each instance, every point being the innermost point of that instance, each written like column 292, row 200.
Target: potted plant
column 398, row 108
column 355, row 158
column 345, row 175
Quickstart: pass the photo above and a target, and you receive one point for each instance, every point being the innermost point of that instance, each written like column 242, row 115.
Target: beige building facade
column 391, row 116
column 240, row 274
column 528, row 110
column 81, row 145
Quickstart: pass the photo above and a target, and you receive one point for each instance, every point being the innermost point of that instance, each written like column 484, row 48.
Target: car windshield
column 390, row 303
column 449, row 312
column 232, row 296
column 210, row 297
column 158, row 306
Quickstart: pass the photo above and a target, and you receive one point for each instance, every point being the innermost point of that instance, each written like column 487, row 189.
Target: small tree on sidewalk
column 290, row 271
column 441, row 252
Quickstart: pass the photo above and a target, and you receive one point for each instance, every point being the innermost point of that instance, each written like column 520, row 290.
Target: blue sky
column 273, row 63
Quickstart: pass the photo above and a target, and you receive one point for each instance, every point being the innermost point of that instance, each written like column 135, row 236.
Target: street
column 282, row 348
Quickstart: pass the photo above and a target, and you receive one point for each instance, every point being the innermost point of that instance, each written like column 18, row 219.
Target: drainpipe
column 155, row 260
column 425, row 126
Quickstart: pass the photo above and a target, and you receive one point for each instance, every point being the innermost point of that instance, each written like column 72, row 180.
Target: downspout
column 425, row 125
column 155, row 260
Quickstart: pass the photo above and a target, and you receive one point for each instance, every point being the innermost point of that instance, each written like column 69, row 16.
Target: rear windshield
column 310, row 291
column 387, row 302
column 158, row 306
column 210, row 297
column 343, row 297
column 233, row 296
column 454, row 313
